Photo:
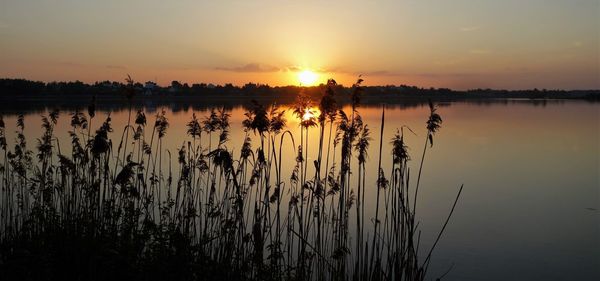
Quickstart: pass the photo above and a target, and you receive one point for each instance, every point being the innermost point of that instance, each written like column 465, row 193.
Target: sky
column 457, row 44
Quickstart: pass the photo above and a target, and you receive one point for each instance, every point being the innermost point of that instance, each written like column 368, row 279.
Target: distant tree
column 176, row 85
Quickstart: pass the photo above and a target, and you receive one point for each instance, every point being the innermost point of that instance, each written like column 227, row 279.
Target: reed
column 98, row 213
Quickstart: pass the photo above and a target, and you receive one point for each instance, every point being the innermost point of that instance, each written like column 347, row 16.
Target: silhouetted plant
column 433, row 125
column 206, row 214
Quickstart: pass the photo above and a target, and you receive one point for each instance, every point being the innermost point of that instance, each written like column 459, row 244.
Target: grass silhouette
column 100, row 213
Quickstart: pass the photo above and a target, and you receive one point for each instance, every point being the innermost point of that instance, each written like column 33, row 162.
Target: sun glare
column 307, row 114
column 307, row 78
column 311, row 113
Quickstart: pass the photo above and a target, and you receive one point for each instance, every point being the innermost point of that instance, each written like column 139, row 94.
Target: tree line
column 15, row 88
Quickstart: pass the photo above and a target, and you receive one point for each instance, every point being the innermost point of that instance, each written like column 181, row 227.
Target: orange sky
column 458, row 44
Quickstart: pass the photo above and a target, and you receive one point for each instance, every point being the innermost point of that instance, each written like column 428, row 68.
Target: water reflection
column 529, row 209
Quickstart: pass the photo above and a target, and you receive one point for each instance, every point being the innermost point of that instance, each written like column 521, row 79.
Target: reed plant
column 206, row 212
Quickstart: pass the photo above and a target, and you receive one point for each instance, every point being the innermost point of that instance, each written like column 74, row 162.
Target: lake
column 530, row 206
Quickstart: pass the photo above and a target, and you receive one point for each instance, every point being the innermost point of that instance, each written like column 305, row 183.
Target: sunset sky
column 457, row 44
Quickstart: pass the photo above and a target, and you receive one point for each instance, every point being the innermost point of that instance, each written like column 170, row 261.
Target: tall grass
column 99, row 213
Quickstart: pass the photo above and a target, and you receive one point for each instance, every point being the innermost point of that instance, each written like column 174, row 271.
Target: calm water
column 530, row 208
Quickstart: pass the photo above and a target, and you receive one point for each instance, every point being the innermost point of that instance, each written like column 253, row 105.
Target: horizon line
column 190, row 84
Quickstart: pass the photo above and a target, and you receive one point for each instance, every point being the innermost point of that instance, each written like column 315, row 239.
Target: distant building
column 149, row 88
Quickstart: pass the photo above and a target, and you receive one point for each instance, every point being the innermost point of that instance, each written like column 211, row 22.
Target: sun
column 307, row 78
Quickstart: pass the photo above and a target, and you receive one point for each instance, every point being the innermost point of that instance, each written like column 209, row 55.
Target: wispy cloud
column 380, row 73
column 70, row 64
column 446, row 75
column 115, row 67
column 415, row 74
column 480, row 51
column 83, row 65
column 448, row 62
column 251, row 67
column 296, row 68
column 293, row 68
column 470, row 28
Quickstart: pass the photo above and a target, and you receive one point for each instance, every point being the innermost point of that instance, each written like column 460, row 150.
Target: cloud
column 371, row 73
column 421, row 74
column 293, row 68
column 251, row 67
column 396, row 74
column 446, row 75
column 70, row 64
column 256, row 67
column 480, row 51
column 448, row 62
column 115, row 67
column 416, row 74
column 470, row 28
column 83, row 65
column 380, row 73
